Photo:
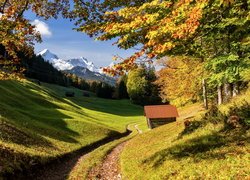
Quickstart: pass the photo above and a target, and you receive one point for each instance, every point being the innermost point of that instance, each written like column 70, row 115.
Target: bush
column 242, row 111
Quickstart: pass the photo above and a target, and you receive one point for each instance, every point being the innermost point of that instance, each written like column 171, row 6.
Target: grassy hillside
column 204, row 152
column 37, row 123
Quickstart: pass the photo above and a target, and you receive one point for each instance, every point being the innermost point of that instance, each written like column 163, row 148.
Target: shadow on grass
column 27, row 109
column 115, row 107
column 200, row 147
column 188, row 149
column 10, row 133
column 51, row 93
column 213, row 115
column 61, row 167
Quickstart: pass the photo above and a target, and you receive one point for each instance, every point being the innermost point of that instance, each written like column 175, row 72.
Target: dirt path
column 110, row 168
column 60, row 169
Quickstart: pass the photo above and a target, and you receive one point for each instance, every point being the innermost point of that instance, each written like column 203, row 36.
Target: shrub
column 242, row 111
column 214, row 115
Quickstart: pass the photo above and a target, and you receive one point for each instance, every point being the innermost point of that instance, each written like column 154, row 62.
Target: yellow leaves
column 161, row 48
column 183, row 71
column 157, row 25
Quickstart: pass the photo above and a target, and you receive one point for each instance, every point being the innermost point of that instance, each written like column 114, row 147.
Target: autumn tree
column 214, row 31
column 180, row 80
column 154, row 27
column 16, row 31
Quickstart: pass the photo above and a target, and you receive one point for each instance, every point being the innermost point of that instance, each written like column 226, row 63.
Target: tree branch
column 24, row 8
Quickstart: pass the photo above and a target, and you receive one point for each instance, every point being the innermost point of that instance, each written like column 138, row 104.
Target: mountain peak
column 79, row 66
column 44, row 51
column 48, row 56
column 62, row 64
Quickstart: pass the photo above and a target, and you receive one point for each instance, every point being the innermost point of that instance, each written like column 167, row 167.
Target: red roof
column 160, row 111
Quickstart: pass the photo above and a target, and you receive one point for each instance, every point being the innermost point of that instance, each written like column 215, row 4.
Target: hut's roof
column 160, row 111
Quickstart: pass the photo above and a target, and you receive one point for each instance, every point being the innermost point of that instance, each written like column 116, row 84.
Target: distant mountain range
column 78, row 66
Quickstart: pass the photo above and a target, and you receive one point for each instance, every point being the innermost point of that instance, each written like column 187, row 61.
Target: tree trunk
column 219, row 91
column 228, row 92
column 235, row 89
column 204, row 87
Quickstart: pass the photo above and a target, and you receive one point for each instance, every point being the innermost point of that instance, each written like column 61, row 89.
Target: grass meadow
column 207, row 151
column 38, row 123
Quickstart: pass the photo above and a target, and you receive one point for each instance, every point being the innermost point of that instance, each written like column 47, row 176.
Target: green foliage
column 41, row 70
column 141, row 87
column 93, row 86
column 77, row 82
column 226, row 68
column 37, row 68
column 121, row 88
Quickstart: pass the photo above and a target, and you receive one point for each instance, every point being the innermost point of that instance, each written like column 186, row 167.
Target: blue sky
column 60, row 39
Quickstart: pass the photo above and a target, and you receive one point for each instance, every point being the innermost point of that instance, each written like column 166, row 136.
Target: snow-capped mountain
column 79, row 66
column 48, row 56
column 68, row 64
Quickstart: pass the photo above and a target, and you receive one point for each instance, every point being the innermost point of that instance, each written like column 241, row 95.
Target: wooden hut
column 157, row 115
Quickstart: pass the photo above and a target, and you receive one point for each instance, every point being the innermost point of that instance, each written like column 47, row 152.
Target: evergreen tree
column 121, row 88
column 141, row 87
column 104, row 90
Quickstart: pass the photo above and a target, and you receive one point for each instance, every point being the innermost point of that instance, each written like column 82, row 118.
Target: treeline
column 35, row 67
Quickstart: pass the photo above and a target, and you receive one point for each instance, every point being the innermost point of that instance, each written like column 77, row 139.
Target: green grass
column 209, row 152
column 37, row 123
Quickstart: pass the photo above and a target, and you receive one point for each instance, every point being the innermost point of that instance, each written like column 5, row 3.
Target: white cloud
column 42, row 27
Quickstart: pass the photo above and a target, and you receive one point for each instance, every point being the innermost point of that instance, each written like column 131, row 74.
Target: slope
column 205, row 150
column 38, row 123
